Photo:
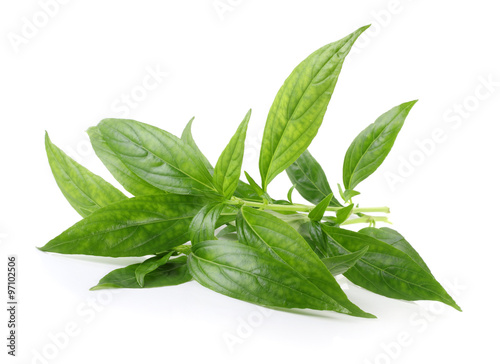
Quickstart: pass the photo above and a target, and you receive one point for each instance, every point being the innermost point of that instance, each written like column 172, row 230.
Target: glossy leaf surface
column 310, row 180
column 228, row 168
column 128, row 179
column 299, row 107
column 273, row 236
column 369, row 149
column 158, row 157
column 84, row 190
column 385, row 270
column 241, row 271
column 138, row 226
column 170, row 274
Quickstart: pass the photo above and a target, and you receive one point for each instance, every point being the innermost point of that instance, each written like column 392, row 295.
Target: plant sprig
column 195, row 221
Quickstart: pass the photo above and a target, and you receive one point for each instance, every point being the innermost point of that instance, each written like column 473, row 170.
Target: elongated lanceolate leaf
column 187, row 138
column 84, row 190
column 170, row 274
column 128, row 179
column 204, row 223
column 385, row 270
column 342, row 263
column 310, row 180
column 246, row 273
column 271, row 235
column 228, row 168
column 158, row 157
column 139, row 226
column 392, row 237
column 317, row 213
column 369, row 149
column 299, row 107
column 150, row 265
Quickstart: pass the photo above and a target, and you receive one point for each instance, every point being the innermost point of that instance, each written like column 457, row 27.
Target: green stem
column 366, row 219
column 300, row 207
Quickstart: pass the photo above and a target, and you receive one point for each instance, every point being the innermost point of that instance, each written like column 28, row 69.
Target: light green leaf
column 128, row 179
column 310, row 180
column 187, row 138
column 289, row 194
column 270, row 235
column 150, row 265
column 84, row 190
column 173, row 273
column 385, row 270
column 343, row 214
column 139, row 226
column 158, row 157
column 228, row 168
column 342, row 263
column 258, row 190
column 369, row 149
column 318, row 211
column 299, row 107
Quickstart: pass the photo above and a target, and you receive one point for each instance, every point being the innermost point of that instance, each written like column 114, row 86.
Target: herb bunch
column 196, row 221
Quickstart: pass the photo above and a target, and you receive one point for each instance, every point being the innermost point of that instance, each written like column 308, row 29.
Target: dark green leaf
column 84, row 190
column 299, row 107
column 342, row 263
column 228, row 168
column 246, row 192
column 128, row 179
column 228, row 229
column 139, row 226
column 392, row 237
column 158, row 157
column 150, row 265
column 171, row 274
column 187, row 138
column 270, row 235
column 386, row 270
column 253, row 275
column 310, row 180
column 204, row 223
column 317, row 213
column 369, row 149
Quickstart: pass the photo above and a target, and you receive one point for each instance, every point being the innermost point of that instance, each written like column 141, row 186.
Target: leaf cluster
column 195, row 221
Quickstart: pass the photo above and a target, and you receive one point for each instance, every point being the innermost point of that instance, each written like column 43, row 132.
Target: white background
column 70, row 71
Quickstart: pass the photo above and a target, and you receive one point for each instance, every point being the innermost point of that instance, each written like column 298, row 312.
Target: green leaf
column 228, row 229
column 289, row 194
column 246, row 273
column 318, row 211
column 204, row 223
column 343, row 214
column 392, row 237
column 270, row 235
column 187, row 138
column 310, row 180
column 342, row 263
column 369, row 149
column 228, row 168
column 158, row 157
column 128, row 179
column 138, row 226
column 258, row 190
column 386, row 270
column 150, row 265
column 84, row 190
column 299, row 107
column 170, row 274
